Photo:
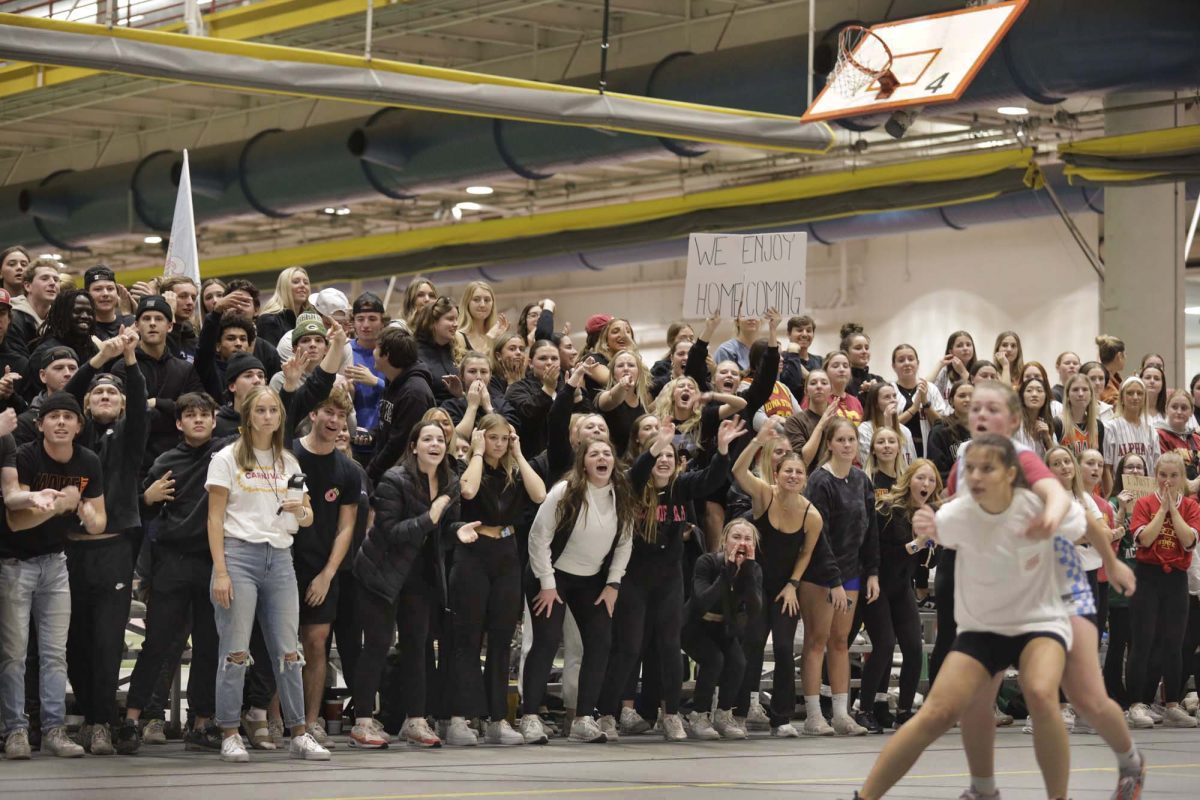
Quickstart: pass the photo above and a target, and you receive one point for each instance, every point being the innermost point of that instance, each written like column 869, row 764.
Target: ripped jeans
column 264, row 585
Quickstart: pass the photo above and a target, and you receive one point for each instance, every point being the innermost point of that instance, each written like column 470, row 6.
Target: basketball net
column 854, row 72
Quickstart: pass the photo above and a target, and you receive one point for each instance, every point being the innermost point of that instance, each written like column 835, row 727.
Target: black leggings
column 1114, row 659
column 595, row 628
column 100, row 574
column 410, row 613
column 650, row 604
column 1191, row 641
column 947, row 629
column 892, row 618
column 485, row 594
column 783, row 682
column 721, row 661
column 1158, row 621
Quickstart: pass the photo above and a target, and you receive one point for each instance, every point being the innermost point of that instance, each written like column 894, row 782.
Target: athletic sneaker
column 1138, row 717
column 369, row 736
column 785, row 731
column 1176, row 717
column 757, row 718
column 305, row 747
column 317, row 731
column 154, row 732
column 724, row 725
column 585, row 729
column 100, row 742
column 16, row 745
column 1002, row 720
column 257, row 730
column 233, row 750
column 416, row 732
column 673, row 728
column 208, row 738
column 128, row 738
column 55, row 742
column 609, row 726
column 500, row 732
column 866, row 719
column 1157, row 712
column 971, row 793
column 1130, row 782
column 883, row 714
column 1068, row 718
column 1028, row 726
column 532, row 730
column 902, row 716
column 1191, row 702
column 632, row 723
column 82, row 736
column 700, row 726
column 275, row 728
column 817, row 726
column 459, row 734
column 846, row 726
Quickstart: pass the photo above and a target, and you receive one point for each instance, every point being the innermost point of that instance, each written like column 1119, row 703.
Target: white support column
column 1142, row 298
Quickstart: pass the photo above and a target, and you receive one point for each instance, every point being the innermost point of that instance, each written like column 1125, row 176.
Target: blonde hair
column 464, row 307
column 1077, row 479
column 602, row 338
column 899, row 496
column 1089, row 421
column 1173, row 457
column 897, row 465
column 664, row 406
column 641, row 386
column 243, row 449
column 1119, row 406
column 508, row 462
column 734, row 523
column 282, row 300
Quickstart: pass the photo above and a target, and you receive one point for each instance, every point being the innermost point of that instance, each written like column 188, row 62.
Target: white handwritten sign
column 744, row 275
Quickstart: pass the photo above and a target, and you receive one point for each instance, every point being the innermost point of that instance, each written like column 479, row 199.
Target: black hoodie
column 438, row 360
column 183, row 522
column 405, row 401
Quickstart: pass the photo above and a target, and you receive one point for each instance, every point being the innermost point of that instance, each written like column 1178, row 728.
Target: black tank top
column 779, row 550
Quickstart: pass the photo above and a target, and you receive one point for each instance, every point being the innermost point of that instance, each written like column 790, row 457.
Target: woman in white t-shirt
column 1130, row 431
column 256, row 503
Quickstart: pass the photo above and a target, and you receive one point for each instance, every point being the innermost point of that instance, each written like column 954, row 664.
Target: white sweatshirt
column 590, row 540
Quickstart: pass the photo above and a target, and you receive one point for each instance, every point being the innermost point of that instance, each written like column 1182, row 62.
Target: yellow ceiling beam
column 234, row 24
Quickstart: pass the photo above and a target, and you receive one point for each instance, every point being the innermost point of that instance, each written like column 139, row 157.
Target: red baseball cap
column 596, row 322
column 5, row 298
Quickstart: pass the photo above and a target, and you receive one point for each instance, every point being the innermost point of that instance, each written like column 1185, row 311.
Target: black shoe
column 128, row 740
column 207, row 739
column 903, row 716
column 883, row 714
column 868, row 721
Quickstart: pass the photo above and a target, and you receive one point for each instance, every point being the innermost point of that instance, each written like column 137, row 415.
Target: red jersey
column 1187, row 445
column 1166, row 550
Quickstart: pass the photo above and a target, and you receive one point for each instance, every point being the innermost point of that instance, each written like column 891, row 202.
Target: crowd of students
column 278, row 477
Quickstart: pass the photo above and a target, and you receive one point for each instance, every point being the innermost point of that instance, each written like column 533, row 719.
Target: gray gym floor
column 638, row 767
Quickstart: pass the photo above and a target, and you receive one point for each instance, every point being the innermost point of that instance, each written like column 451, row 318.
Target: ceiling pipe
column 1055, row 50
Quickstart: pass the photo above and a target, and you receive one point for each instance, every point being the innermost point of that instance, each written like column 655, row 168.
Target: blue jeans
column 264, row 585
column 36, row 588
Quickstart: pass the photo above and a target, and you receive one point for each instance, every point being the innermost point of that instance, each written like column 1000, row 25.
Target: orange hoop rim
column 847, row 53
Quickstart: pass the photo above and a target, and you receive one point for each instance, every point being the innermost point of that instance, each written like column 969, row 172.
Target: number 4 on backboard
column 913, row 62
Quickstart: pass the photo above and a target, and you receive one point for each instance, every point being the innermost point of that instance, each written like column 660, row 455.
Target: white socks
column 812, row 704
column 1129, row 762
column 841, row 704
column 984, row 785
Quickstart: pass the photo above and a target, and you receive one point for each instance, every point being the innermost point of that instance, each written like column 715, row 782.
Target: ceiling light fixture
column 456, row 212
column 467, row 205
column 51, row 256
column 153, row 240
column 480, row 190
column 330, row 210
column 343, row 211
column 1192, row 311
column 1013, row 111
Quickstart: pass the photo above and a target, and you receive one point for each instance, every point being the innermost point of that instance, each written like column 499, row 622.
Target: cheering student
column 369, row 381
column 408, row 395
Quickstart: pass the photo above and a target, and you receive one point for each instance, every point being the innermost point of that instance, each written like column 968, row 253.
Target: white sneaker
column 632, row 723
column 416, row 732
column 459, row 734
column 585, row 729
column 970, row 793
column 673, row 728
column 501, row 732
column 1191, row 702
column 1176, row 717
column 1157, row 712
column 846, row 726
column 701, row 727
column 306, row 748
column 233, row 750
column 1068, row 718
column 55, row 742
column 532, row 730
column 726, row 727
column 1138, row 718
column 1002, row 720
column 317, row 731
column 786, row 731
column 609, row 726
column 1028, row 726
column 757, row 718
column 817, row 726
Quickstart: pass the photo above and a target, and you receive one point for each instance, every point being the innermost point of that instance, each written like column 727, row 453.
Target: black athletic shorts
column 997, row 653
column 317, row 615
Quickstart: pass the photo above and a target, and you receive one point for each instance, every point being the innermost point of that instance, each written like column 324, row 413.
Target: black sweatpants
column 892, row 618
column 1118, row 651
column 410, row 614
column 179, row 592
column 100, row 574
column 595, row 628
column 1158, row 621
column 346, row 628
column 485, row 595
column 947, row 629
column 720, row 660
column 650, row 604
column 1189, row 657
column 782, row 628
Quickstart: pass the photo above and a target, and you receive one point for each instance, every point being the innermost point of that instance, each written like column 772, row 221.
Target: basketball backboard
column 933, row 59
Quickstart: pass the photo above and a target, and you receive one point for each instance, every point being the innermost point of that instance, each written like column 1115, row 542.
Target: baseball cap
column 107, row 379
column 154, row 302
column 100, row 272
column 329, row 301
column 596, row 322
column 368, row 302
column 59, row 401
column 5, row 298
column 308, row 325
column 57, row 354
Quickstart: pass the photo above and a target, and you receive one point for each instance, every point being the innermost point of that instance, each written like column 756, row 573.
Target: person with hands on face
column 789, row 529
column 498, row 487
column 253, row 517
column 579, row 547
column 626, row 397
column 920, row 404
column 652, row 589
column 1009, row 358
column 956, row 364
column 532, row 396
column 480, row 398
column 845, row 498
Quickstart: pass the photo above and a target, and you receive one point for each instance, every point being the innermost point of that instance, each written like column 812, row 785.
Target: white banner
column 744, row 275
column 183, row 259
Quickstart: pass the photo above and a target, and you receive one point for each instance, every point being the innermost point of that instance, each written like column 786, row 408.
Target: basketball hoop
column 863, row 58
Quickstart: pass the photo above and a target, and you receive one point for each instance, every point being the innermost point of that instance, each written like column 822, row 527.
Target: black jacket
column 715, row 589
column 212, row 371
column 19, row 363
column 439, row 360
column 227, row 422
column 531, row 405
column 316, row 387
column 456, row 407
column 403, row 534
column 183, row 522
column 165, row 378
column 406, row 400
column 273, row 326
